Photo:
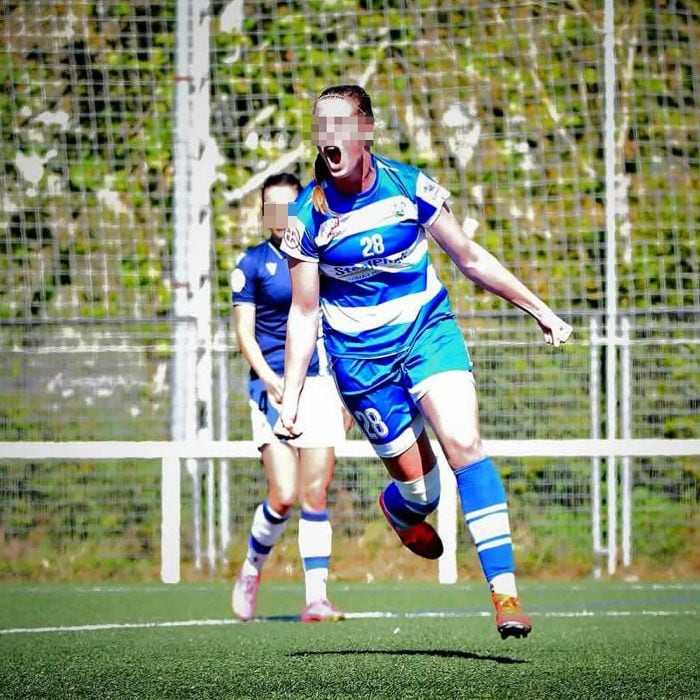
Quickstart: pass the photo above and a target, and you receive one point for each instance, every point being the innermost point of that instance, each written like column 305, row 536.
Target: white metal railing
column 171, row 452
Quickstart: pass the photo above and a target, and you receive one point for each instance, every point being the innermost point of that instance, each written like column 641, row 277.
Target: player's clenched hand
column 286, row 427
column 556, row 331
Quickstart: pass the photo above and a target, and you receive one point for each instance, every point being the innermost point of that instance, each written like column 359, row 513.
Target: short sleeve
column 430, row 196
column 297, row 243
column 243, row 281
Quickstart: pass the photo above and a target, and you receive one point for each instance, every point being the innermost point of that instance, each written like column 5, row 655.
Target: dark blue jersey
column 262, row 279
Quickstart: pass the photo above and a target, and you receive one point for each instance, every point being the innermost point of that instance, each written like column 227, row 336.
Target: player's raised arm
column 480, row 266
column 302, row 333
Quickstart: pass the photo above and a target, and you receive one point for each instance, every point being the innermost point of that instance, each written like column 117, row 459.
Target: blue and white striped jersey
column 378, row 287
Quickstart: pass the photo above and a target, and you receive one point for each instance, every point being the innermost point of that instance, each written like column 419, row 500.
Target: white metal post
column 610, row 277
column 170, row 519
column 595, row 434
column 447, row 522
column 184, row 395
column 182, row 326
column 193, row 471
column 626, row 417
column 211, row 514
column 222, row 358
column 204, row 158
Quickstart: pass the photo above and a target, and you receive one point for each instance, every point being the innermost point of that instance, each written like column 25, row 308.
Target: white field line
column 161, row 589
column 351, row 615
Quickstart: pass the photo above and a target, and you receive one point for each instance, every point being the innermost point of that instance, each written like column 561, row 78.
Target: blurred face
column 341, row 135
column 276, row 208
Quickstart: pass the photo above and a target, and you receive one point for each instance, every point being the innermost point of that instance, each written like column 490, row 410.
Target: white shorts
column 319, row 418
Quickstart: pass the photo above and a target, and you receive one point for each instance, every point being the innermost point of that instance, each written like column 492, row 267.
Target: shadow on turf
column 443, row 653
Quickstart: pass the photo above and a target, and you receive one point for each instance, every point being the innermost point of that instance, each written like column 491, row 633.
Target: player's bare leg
column 315, row 534
column 269, row 521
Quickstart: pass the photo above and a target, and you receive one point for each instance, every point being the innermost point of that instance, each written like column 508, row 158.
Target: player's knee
column 282, row 500
column 463, row 449
column 313, row 500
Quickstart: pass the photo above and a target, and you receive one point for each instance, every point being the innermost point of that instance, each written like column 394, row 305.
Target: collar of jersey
column 277, row 251
column 336, row 198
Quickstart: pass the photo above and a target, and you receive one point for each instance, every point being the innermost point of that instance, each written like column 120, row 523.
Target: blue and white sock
column 265, row 531
column 410, row 502
column 486, row 514
column 315, row 536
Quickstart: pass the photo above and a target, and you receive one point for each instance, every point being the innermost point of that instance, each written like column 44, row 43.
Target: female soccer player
column 358, row 244
column 295, row 469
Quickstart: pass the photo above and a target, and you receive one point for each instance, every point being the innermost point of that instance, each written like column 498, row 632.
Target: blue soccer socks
column 315, row 536
column 486, row 514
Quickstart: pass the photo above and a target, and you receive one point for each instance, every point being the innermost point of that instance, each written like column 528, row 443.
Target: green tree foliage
column 86, row 148
column 503, row 104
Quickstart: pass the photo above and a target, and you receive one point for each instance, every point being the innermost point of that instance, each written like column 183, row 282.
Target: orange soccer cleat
column 511, row 619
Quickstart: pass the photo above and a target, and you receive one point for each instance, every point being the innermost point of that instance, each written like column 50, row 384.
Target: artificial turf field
column 591, row 639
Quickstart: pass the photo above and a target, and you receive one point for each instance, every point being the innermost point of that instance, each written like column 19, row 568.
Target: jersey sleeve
column 298, row 242
column 243, row 281
column 430, row 196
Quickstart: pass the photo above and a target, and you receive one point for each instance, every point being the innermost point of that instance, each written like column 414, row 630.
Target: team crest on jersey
column 291, row 238
column 271, row 267
column 429, row 191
